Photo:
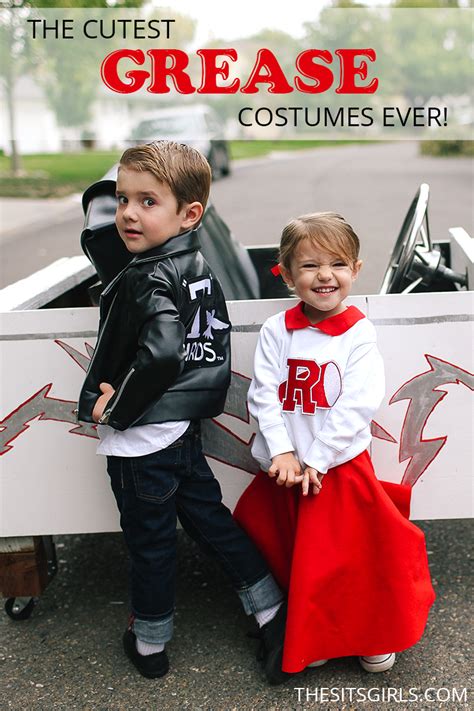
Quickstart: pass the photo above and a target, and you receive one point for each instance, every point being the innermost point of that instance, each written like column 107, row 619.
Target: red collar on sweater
column 332, row 326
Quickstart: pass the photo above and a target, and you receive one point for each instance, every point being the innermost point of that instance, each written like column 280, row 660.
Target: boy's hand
column 107, row 391
column 287, row 469
column 311, row 476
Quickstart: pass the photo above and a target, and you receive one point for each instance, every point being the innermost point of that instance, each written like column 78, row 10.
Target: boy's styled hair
column 326, row 230
column 184, row 169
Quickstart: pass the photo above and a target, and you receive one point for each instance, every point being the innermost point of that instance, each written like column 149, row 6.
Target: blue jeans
column 154, row 490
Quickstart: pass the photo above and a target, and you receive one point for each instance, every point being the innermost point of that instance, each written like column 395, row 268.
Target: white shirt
column 141, row 440
column 315, row 388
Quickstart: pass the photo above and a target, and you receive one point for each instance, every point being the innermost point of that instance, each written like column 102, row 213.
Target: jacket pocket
column 155, row 475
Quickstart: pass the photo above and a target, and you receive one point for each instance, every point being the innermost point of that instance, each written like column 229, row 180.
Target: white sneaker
column 378, row 663
column 319, row 663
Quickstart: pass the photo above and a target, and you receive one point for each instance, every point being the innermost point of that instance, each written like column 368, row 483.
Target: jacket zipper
column 120, row 390
column 100, row 337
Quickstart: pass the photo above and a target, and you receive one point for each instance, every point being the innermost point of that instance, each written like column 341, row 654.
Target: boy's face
column 147, row 211
column 320, row 279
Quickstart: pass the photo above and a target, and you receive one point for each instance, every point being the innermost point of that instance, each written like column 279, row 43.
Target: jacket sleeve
column 264, row 404
column 363, row 391
column 159, row 358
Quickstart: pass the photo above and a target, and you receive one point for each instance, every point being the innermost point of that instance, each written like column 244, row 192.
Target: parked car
column 198, row 125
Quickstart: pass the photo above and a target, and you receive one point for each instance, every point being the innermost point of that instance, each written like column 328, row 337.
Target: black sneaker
column 151, row 665
column 273, row 639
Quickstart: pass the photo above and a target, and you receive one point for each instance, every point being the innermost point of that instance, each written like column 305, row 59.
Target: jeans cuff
column 154, row 631
column 261, row 595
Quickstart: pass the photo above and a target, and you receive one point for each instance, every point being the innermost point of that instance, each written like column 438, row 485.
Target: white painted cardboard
column 52, row 482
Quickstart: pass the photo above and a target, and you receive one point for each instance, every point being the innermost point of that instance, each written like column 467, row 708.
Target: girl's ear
column 356, row 269
column 286, row 275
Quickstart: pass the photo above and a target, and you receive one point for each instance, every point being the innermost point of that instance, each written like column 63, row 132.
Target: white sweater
column 315, row 393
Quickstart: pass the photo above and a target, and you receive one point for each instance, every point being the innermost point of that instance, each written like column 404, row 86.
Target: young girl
column 354, row 567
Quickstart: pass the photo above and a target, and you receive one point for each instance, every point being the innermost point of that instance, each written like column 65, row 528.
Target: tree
column 72, row 77
column 68, row 71
column 422, row 54
column 284, row 46
column 15, row 58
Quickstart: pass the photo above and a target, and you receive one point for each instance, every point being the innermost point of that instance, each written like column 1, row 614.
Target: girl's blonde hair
column 326, row 230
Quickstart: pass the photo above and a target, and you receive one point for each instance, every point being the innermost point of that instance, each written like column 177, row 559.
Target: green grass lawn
column 59, row 174
column 253, row 149
column 55, row 174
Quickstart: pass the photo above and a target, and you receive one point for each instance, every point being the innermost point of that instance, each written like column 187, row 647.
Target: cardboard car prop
column 51, row 480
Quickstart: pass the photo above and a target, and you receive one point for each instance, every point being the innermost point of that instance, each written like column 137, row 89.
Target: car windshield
column 172, row 125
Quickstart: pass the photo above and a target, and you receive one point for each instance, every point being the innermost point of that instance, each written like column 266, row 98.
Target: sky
column 246, row 17
column 225, row 20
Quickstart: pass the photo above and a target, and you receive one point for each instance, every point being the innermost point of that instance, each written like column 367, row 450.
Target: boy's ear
column 286, row 275
column 192, row 214
column 356, row 269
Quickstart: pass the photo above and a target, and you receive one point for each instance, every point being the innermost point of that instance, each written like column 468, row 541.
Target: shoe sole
column 131, row 655
column 148, row 675
column 273, row 671
column 319, row 663
column 374, row 667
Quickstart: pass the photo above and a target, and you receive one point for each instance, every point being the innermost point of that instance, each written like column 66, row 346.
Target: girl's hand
column 107, row 391
column 287, row 469
column 311, row 476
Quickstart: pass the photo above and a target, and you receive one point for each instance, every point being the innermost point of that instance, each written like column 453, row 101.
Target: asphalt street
column 68, row 654
column 371, row 185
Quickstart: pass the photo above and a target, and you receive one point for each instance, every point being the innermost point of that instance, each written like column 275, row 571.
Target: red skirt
column 355, row 569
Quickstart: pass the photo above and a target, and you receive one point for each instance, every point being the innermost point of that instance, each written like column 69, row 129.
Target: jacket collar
column 184, row 242
column 295, row 318
column 180, row 244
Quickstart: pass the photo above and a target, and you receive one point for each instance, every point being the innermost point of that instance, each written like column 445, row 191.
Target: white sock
column 147, row 648
column 265, row 616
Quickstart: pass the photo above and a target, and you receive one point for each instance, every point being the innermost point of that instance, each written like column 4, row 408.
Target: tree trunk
column 15, row 160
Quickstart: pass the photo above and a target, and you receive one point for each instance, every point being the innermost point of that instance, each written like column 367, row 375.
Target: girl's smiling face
column 320, row 279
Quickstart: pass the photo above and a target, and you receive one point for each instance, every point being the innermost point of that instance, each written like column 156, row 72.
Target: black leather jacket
column 164, row 340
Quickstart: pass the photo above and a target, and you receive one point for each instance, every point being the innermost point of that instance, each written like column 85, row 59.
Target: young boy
column 161, row 364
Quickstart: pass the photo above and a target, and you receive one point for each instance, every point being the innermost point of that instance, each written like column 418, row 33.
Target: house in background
column 36, row 126
column 113, row 118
